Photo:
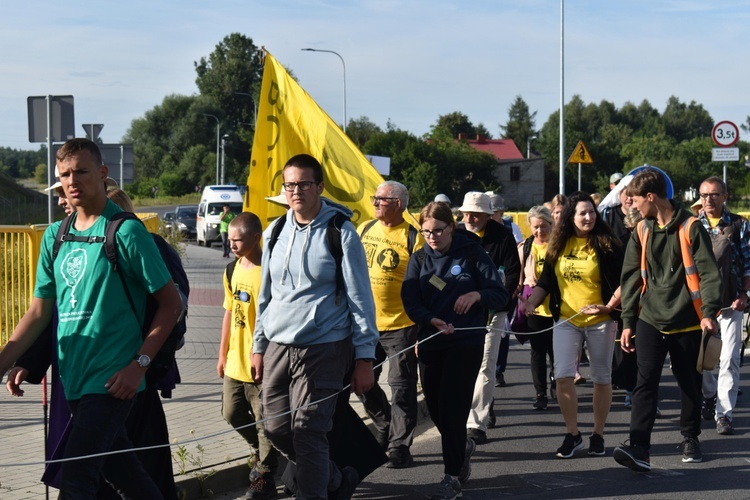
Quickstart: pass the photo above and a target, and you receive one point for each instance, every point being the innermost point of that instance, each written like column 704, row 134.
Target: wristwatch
column 143, row 360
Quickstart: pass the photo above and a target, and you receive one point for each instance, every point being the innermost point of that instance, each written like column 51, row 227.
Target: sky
column 407, row 61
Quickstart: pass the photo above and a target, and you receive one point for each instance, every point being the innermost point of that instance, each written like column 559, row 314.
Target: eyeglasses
column 377, row 200
column 437, row 233
column 713, row 196
column 303, row 186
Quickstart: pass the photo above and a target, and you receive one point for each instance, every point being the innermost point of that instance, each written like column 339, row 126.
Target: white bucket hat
column 279, row 198
column 474, row 201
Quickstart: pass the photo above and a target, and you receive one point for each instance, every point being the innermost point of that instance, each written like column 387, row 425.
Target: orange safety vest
column 691, row 272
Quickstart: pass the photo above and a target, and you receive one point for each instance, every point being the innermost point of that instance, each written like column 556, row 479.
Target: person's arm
column 631, row 283
column 512, row 265
column 260, row 341
column 543, row 286
column 31, row 325
column 224, row 343
column 365, row 333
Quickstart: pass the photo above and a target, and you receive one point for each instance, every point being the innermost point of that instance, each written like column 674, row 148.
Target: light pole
column 528, row 145
column 218, row 143
column 344, row 65
column 223, row 144
column 255, row 106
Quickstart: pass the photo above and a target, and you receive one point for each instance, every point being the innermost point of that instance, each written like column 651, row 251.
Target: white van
column 210, row 208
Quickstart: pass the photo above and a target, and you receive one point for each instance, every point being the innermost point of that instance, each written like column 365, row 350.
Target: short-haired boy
column 241, row 395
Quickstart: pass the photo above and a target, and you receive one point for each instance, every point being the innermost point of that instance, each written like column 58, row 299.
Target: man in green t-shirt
column 102, row 353
column 224, row 219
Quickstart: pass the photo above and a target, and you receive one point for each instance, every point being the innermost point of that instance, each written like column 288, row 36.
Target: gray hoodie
column 297, row 303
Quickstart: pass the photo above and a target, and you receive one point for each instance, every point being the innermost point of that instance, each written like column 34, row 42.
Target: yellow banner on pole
column 290, row 122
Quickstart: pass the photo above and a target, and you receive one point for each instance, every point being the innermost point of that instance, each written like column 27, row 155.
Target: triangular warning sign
column 580, row 154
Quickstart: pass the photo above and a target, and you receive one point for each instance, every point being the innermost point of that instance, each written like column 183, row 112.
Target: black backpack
column 165, row 360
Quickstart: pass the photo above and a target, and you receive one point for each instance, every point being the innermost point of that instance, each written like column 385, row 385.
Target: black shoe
column 477, row 435
column 708, row 408
column 541, row 402
column 448, row 489
column 500, row 380
column 633, row 457
column 465, row 472
column 596, row 445
column 724, row 426
column 570, row 445
column 262, row 487
column 399, row 458
column 349, row 482
column 691, row 450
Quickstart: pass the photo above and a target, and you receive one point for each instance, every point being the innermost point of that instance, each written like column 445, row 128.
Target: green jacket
column 666, row 304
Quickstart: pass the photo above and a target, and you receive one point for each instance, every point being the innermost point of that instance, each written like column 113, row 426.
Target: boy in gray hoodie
column 305, row 339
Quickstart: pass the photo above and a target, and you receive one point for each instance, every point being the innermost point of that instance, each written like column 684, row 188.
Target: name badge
column 437, row 282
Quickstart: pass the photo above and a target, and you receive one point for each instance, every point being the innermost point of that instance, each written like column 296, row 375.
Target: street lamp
column 528, row 145
column 218, row 131
column 223, row 144
column 344, row 65
column 255, row 105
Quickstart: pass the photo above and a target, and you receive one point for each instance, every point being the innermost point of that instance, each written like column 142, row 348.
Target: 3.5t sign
column 725, row 134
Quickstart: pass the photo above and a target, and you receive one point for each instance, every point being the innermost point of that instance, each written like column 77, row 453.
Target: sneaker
column 448, row 489
column 541, row 402
column 500, row 380
column 264, row 486
column 596, row 445
column 476, row 435
column 465, row 472
column 399, row 458
column 570, row 445
column 628, row 403
column 708, row 408
column 633, row 457
column 724, row 426
column 691, row 450
column 349, row 482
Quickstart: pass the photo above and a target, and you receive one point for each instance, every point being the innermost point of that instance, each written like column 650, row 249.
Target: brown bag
column 710, row 349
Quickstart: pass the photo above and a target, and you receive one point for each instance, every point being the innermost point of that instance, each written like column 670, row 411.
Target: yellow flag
column 289, row 123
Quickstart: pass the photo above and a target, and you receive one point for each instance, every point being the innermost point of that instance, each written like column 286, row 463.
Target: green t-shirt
column 224, row 222
column 97, row 332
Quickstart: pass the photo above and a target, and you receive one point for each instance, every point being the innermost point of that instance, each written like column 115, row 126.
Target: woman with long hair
column 532, row 255
column 581, row 275
column 450, row 286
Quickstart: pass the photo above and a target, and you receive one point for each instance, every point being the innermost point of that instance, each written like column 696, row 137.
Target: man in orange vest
column 671, row 291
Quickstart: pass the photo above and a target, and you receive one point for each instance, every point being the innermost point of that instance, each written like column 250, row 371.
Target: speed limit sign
column 725, row 134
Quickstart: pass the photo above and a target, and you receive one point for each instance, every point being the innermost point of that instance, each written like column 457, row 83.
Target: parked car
column 184, row 219
column 168, row 219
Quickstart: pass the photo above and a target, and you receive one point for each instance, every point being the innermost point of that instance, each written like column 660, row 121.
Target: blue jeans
column 98, row 426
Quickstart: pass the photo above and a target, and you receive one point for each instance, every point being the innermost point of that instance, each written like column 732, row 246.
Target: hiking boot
column 634, row 457
column 500, row 380
column 349, row 482
column 448, row 489
column 399, row 458
column 691, row 450
column 477, row 435
column 596, row 445
column 465, row 472
column 708, row 408
column 264, row 486
column 541, row 402
column 724, row 426
column 570, row 445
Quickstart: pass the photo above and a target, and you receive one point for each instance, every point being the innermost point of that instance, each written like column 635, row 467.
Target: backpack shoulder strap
column 278, row 225
column 367, row 227
column 110, row 235
column 229, row 271
column 62, row 232
column 527, row 249
column 411, row 239
column 333, row 240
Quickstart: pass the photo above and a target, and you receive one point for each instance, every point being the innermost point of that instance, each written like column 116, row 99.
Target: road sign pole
column 50, row 163
column 579, row 176
column 725, row 172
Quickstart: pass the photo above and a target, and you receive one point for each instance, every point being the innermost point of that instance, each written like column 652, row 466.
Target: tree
column 361, row 130
column 686, row 121
column 482, row 130
column 521, row 125
column 456, row 123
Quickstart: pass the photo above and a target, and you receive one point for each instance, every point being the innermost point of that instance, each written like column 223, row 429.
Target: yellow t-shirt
column 538, row 252
column 579, row 280
column 241, row 299
column 387, row 257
